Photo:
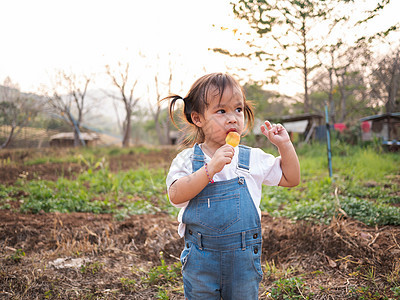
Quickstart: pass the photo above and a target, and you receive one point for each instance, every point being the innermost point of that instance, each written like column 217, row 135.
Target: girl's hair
column 196, row 101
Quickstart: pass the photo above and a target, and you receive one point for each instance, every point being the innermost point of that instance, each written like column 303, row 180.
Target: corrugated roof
column 70, row 136
column 381, row 116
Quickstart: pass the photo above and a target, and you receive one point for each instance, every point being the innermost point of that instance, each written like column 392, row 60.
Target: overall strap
column 244, row 158
column 197, row 158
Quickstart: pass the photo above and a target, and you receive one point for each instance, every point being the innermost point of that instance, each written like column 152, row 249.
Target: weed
column 272, row 271
column 92, row 268
column 6, row 194
column 291, row 288
column 128, row 284
column 363, row 293
column 394, row 276
column 162, row 294
column 396, row 291
column 163, row 274
column 371, row 213
column 17, row 255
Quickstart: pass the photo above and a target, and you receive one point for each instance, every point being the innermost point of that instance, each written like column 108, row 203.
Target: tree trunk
column 77, row 140
column 160, row 135
column 393, row 87
column 127, row 133
column 167, row 131
column 8, row 140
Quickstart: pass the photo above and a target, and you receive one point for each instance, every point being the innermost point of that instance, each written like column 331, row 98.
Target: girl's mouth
column 231, row 130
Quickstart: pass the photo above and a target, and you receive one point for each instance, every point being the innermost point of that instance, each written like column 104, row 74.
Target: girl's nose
column 230, row 118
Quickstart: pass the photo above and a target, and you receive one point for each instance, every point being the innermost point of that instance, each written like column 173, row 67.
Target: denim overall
column 222, row 255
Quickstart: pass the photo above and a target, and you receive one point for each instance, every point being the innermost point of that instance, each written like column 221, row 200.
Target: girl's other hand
column 223, row 156
column 276, row 133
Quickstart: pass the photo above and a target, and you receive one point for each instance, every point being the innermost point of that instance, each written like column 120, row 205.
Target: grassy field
column 365, row 186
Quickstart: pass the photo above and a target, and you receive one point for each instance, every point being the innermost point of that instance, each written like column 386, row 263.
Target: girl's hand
column 223, row 156
column 276, row 133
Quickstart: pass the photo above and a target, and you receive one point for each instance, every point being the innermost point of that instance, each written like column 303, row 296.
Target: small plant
column 92, row 268
column 394, row 275
column 290, row 288
column 272, row 271
column 396, row 292
column 17, row 256
column 163, row 273
column 361, row 292
column 162, row 294
column 128, row 284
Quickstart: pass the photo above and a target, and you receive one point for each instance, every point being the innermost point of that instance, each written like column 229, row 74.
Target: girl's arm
column 290, row 165
column 187, row 187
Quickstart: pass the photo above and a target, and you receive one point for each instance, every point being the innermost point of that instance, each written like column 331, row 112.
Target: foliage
column 16, row 110
column 99, row 191
column 128, row 284
column 359, row 189
column 290, row 288
column 266, row 104
column 17, row 255
column 364, row 187
column 163, row 273
column 6, row 196
column 91, row 268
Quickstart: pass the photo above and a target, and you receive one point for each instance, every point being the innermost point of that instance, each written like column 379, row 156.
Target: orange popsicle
column 233, row 138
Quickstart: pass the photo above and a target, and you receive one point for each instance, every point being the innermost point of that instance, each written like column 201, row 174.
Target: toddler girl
column 218, row 188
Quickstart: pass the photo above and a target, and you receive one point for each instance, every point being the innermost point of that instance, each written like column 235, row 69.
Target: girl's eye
column 221, row 111
column 239, row 109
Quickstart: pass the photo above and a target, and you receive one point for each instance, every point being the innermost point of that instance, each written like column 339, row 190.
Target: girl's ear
column 196, row 119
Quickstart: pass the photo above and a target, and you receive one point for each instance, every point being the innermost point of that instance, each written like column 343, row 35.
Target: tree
column 120, row 78
column 16, row 110
column 342, row 80
column 266, row 104
column 67, row 99
column 291, row 27
column 163, row 137
column 294, row 31
column 385, row 83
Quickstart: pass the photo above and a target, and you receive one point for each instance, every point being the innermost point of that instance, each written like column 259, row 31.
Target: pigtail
column 171, row 106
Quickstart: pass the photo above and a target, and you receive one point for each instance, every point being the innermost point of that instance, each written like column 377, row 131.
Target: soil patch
column 80, row 254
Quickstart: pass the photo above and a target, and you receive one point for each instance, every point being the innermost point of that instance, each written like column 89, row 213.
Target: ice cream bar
column 233, row 138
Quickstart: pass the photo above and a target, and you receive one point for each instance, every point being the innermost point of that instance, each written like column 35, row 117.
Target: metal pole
column 328, row 141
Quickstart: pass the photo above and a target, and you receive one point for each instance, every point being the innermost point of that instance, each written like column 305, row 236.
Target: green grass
column 363, row 186
column 98, row 191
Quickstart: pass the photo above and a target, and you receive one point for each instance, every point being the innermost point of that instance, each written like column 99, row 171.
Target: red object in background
column 366, row 126
column 340, row 126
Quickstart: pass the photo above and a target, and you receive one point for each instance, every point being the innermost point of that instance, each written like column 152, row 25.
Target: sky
column 41, row 36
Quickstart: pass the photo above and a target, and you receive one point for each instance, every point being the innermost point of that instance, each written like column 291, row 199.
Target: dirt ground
column 89, row 256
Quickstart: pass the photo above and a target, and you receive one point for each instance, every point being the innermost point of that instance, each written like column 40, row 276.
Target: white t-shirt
column 264, row 169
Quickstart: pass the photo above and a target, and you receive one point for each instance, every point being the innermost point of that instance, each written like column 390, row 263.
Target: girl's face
column 222, row 116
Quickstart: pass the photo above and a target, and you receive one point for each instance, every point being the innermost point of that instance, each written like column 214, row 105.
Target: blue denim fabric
column 222, row 255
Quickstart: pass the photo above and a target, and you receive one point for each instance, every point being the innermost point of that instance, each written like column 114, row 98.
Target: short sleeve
column 181, row 166
column 269, row 167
